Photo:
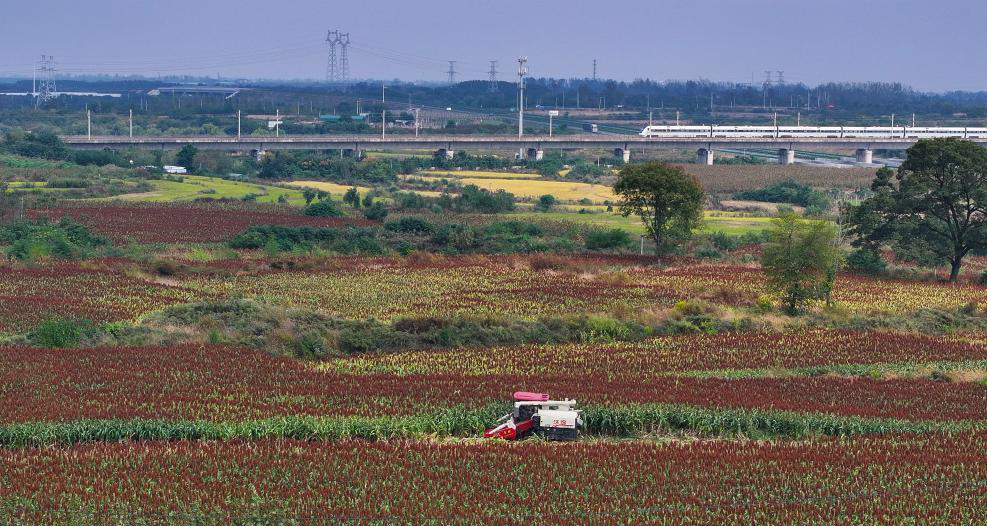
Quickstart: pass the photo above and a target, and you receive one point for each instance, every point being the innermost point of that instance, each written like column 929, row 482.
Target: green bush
column 325, row 208
column 30, row 240
column 410, row 225
column 612, row 239
column 59, row 333
column 375, row 212
column 866, row 261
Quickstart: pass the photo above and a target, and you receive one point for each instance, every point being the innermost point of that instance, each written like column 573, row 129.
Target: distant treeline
column 692, row 98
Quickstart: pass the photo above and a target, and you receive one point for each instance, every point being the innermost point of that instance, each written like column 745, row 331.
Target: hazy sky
column 931, row 45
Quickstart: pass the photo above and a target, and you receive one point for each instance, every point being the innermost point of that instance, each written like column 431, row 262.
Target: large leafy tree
column 186, row 156
column 668, row 200
column 800, row 260
column 935, row 207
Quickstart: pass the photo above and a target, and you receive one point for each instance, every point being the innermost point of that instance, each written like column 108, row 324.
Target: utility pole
column 89, row 124
column 416, row 121
column 131, row 123
column 277, row 123
column 676, row 117
column 238, row 125
column 651, row 118
column 522, row 70
column 493, row 76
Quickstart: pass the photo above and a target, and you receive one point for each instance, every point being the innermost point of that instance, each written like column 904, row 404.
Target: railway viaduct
column 530, row 146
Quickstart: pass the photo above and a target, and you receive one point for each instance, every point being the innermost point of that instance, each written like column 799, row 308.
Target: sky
column 931, row 46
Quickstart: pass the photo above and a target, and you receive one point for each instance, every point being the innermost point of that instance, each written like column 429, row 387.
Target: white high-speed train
column 831, row 132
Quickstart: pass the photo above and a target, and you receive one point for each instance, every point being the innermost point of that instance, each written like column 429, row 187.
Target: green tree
column 352, row 197
column 309, row 196
column 800, row 260
column 934, row 207
column 545, row 202
column 186, row 157
column 668, row 200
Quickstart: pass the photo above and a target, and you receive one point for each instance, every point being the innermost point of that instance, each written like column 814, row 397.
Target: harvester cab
column 535, row 413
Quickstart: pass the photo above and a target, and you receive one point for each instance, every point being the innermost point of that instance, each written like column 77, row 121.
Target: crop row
column 678, row 354
column 929, row 479
column 224, row 384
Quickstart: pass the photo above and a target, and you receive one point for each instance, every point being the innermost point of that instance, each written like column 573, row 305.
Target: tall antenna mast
column 452, row 72
column 493, row 76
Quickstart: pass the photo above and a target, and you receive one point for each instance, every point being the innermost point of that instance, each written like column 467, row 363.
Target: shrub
column 725, row 242
column 866, row 261
column 375, row 212
column 612, row 239
column 324, row 208
column 410, row 225
column 58, row 333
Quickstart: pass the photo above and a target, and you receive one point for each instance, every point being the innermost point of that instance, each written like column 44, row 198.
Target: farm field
column 181, row 222
column 391, row 288
column 472, row 174
column 169, row 374
column 939, row 477
column 194, row 187
column 532, row 188
column 713, row 221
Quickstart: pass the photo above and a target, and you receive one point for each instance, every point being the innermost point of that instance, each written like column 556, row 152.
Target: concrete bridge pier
column 786, row 156
column 623, row 153
column 534, row 154
column 865, row 156
column 445, row 152
column 705, row 156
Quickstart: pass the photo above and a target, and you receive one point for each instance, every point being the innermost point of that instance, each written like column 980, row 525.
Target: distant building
column 174, row 169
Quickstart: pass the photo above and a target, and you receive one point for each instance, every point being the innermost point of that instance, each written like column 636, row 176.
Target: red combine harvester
column 535, row 413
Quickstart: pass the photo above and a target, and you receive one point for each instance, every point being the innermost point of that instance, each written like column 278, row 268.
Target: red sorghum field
column 186, row 222
column 929, row 479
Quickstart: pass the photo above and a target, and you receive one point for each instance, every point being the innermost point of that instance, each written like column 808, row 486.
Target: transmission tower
column 767, row 78
column 493, row 76
column 781, row 77
column 344, row 57
column 452, row 72
column 594, row 69
column 331, row 67
column 46, row 88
